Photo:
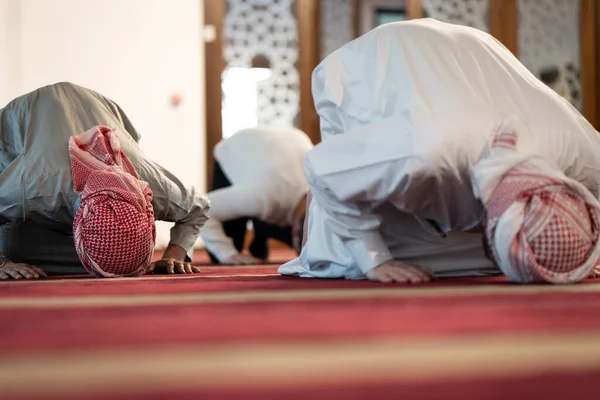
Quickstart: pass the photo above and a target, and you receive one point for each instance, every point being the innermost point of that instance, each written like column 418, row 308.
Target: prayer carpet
column 247, row 333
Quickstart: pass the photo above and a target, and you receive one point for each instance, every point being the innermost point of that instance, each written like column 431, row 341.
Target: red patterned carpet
column 248, row 333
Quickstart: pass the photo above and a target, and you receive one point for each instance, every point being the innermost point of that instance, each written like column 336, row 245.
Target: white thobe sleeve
column 227, row 204
column 358, row 227
column 352, row 174
column 330, row 115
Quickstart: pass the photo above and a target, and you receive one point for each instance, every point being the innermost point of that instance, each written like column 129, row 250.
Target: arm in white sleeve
column 227, row 204
column 351, row 174
column 330, row 115
column 216, row 241
column 357, row 226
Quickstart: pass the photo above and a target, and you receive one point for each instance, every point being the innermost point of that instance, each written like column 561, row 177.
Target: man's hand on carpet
column 398, row 271
column 595, row 273
column 12, row 270
column 242, row 259
column 172, row 266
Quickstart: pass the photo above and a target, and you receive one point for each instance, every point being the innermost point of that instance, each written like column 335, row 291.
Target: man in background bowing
column 258, row 177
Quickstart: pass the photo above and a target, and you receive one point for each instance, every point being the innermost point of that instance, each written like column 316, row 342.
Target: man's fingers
column 427, row 272
column 39, row 271
column 27, row 272
column 378, row 275
column 415, row 274
column 398, row 275
column 4, row 276
column 180, row 268
column 13, row 273
column 195, row 269
column 170, row 267
column 382, row 276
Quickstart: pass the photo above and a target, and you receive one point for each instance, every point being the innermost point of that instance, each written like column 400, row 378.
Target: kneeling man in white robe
column 442, row 156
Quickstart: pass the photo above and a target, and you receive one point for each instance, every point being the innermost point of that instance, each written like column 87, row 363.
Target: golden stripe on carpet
column 286, row 295
column 89, row 280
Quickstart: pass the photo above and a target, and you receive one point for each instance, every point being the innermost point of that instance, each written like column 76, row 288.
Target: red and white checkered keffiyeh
column 114, row 228
column 541, row 226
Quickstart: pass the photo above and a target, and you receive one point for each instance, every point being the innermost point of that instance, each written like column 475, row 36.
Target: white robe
column 264, row 166
column 406, row 111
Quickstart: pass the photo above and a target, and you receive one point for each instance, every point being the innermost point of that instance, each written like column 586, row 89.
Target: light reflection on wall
column 240, row 97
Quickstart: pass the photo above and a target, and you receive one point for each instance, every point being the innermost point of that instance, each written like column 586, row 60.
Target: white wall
column 10, row 46
column 136, row 52
column 3, row 51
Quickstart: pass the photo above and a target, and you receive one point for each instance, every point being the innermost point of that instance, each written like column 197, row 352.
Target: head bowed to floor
column 114, row 229
column 540, row 225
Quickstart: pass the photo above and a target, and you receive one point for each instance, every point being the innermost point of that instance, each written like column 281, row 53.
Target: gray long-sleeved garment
column 35, row 171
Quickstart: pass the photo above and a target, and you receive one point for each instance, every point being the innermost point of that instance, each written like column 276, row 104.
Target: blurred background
column 191, row 72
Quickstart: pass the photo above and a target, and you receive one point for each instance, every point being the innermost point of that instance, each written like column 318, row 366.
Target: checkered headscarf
column 114, row 228
column 540, row 225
